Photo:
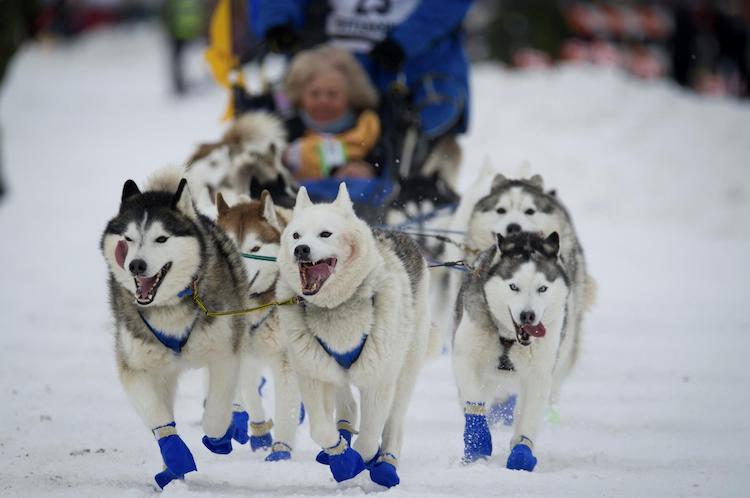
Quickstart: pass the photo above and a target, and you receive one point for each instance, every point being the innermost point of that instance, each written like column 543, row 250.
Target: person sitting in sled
column 336, row 127
column 417, row 43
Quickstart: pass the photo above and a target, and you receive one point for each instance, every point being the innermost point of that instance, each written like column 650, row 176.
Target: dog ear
column 269, row 211
column 343, row 200
column 551, row 245
column 221, row 205
column 182, row 202
column 537, row 181
column 129, row 190
column 498, row 181
column 303, row 200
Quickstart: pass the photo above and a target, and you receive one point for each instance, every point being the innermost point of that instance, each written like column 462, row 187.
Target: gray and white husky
column 157, row 248
column 511, row 314
column 515, row 205
column 362, row 321
column 256, row 226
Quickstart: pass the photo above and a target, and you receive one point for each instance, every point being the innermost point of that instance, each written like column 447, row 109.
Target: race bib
column 357, row 25
column 332, row 155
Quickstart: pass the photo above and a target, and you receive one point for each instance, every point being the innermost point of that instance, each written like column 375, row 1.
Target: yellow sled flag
column 219, row 54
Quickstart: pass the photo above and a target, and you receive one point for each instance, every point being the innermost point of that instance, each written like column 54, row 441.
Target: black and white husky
column 363, row 321
column 511, row 313
column 157, row 248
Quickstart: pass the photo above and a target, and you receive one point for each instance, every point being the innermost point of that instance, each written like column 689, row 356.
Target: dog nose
column 513, row 228
column 137, row 267
column 527, row 317
column 302, row 252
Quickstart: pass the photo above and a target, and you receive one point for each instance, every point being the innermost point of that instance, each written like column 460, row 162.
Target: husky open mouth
column 314, row 275
column 146, row 287
column 525, row 332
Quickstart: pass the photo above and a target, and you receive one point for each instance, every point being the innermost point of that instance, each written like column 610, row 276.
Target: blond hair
column 306, row 65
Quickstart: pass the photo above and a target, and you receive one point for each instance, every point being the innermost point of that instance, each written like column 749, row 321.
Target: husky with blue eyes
column 159, row 249
column 511, row 314
column 362, row 321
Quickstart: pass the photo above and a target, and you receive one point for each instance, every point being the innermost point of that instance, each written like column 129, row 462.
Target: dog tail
column 165, row 179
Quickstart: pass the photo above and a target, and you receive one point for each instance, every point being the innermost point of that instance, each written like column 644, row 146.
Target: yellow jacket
column 353, row 144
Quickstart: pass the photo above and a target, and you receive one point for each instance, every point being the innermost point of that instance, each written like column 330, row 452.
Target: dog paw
column 322, row 456
column 165, row 477
column 477, row 438
column 220, row 445
column 521, row 458
column 261, row 442
column 279, row 451
column 278, row 456
column 176, row 455
column 240, row 421
column 346, row 465
column 502, row 412
column 383, row 472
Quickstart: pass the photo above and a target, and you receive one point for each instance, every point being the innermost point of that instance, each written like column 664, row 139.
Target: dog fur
column 153, row 230
column 378, row 288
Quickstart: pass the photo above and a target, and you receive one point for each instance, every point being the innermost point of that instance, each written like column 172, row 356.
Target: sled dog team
column 342, row 305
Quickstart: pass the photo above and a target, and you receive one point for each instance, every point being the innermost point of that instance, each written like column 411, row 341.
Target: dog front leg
column 468, row 364
column 217, row 417
column 287, row 410
column 375, row 407
column 536, row 384
column 152, row 395
column 344, row 462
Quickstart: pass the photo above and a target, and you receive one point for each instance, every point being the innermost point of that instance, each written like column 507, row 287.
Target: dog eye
column 514, row 288
column 501, row 211
column 529, row 211
column 255, row 249
column 325, row 234
column 162, row 239
column 295, row 236
column 542, row 289
column 128, row 239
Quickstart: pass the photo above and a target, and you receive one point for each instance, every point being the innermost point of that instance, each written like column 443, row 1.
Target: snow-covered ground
column 657, row 180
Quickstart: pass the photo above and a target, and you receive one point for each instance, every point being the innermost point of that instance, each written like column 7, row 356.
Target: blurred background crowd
column 700, row 44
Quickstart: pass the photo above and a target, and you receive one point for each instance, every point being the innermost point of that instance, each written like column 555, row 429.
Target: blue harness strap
column 168, row 341
column 348, row 358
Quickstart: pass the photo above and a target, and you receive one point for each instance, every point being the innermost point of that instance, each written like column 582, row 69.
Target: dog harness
column 170, row 342
column 346, row 359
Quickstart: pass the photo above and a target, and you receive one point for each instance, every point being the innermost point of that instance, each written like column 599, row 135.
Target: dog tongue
column 537, row 330
column 145, row 284
column 121, row 250
column 315, row 275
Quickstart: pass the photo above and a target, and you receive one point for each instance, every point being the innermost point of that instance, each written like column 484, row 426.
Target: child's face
column 324, row 97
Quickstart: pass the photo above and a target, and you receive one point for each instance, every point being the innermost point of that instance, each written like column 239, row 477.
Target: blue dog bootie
column 382, row 469
column 240, row 419
column 521, row 457
column 477, row 437
column 344, row 462
column 177, row 458
column 345, row 430
column 280, row 451
column 260, row 435
column 220, row 445
column 502, row 412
